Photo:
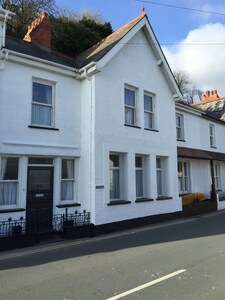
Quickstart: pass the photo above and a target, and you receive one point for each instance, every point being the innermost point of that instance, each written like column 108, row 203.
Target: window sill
column 213, row 147
column 9, row 210
column 134, row 126
column 139, row 200
column 42, row 127
column 68, row 205
column 181, row 140
column 151, row 129
column 164, row 198
column 118, row 202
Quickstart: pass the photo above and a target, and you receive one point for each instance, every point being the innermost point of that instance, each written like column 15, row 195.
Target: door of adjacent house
column 39, row 197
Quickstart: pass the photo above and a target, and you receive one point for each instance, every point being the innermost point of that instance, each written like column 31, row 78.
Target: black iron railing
column 44, row 227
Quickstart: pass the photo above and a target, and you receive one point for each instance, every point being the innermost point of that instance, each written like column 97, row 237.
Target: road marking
column 143, row 286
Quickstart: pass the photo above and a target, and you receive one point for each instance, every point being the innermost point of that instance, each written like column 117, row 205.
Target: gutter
column 24, row 59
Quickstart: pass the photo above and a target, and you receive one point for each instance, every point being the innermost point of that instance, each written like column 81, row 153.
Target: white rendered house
column 95, row 133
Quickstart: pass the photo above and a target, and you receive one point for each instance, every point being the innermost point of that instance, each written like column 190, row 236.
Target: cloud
column 202, row 55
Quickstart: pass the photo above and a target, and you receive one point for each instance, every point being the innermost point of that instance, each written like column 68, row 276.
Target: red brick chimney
column 39, row 32
column 209, row 96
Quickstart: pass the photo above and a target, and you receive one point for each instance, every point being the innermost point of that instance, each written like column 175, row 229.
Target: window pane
column 159, row 182
column 9, row 168
column 148, row 103
column 40, row 161
column 158, row 163
column 42, row 93
column 8, row 193
column 138, row 162
column 67, row 190
column 39, row 180
column 67, row 168
column 139, row 183
column 41, row 115
column 114, row 184
column 148, row 120
column 114, row 160
column 129, row 97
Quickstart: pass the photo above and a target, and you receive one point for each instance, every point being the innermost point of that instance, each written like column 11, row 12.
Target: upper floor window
column 42, row 105
column 180, row 126
column 8, row 180
column 67, row 179
column 149, row 111
column 212, row 138
column 130, row 106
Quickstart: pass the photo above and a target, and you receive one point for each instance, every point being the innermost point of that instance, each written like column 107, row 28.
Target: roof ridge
column 112, row 34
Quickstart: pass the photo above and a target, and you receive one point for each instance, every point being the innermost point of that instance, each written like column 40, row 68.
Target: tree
column 26, row 11
column 188, row 90
column 73, row 36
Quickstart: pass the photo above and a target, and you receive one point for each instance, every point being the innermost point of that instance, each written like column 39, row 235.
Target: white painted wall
column 135, row 65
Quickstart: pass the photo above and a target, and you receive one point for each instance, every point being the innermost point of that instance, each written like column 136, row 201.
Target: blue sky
column 175, row 27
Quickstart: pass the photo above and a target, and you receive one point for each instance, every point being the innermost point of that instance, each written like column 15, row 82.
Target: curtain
column 115, row 184
column 67, row 184
column 41, row 115
column 8, row 190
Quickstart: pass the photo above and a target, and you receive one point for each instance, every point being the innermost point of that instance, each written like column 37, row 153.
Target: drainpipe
column 213, row 190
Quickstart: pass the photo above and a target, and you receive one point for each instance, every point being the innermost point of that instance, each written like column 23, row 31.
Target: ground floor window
column 67, row 179
column 115, row 176
column 139, row 176
column 183, row 177
column 217, row 176
column 8, row 180
column 159, row 175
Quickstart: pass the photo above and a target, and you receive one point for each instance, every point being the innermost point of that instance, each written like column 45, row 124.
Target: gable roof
column 99, row 50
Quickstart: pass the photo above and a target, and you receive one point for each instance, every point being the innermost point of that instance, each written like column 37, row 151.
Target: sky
column 191, row 39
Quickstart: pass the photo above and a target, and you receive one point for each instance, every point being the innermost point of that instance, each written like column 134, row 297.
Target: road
column 183, row 259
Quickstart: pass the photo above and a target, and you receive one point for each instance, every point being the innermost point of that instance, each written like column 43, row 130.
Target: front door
column 39, row 197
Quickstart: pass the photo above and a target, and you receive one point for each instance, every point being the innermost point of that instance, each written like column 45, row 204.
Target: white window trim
column 133, row 108
column 143, row 176
column 217, row 175
column 68, row 179
column 212, row 135
column 152, row 113
column 180, row 127
column 183, row 177
column 52, row 106
column 117, row 168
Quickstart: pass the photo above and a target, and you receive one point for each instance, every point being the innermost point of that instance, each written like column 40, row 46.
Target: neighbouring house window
column 8, row 180
column 115, row 177
column 139, row 177
column 67, row 180
column 148, row 111
column 130, row 105
column 159, row 175
column 183, row 177
column 42, row 105
column 180, row 126
column 217, row 176
column 212, row 138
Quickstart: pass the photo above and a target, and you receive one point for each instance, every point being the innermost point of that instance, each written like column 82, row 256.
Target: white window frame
column 140, row 169
column 159, row 174
column 68, row 180
column 8, row 182
column 40, row 104
column 118, row 171
column 183, row 177
column 130, row 108
column 212, row 137
column 217, row 175
column 150, row 114
column 180, row 126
